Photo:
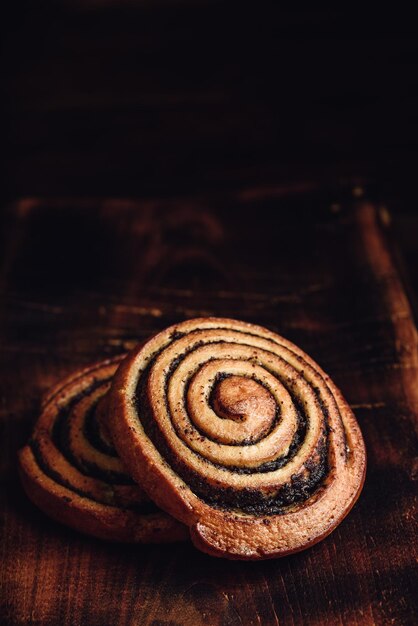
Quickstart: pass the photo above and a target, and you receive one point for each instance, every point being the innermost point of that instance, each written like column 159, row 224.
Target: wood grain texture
column 84, row 279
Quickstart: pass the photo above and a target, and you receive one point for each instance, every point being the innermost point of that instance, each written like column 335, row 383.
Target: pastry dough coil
column 238, row 433
column 71, row 470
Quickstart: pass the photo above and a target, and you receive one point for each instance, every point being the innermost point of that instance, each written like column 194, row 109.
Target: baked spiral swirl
column 238, row 433
column 71, row 471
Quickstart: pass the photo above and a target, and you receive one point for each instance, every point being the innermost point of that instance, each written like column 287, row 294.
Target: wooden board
column 84, row 279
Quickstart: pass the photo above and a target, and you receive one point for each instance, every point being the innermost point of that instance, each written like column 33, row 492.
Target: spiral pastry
column 238, row 433
column 71, row 471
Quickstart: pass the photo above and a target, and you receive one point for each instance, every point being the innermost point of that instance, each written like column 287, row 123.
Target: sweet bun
column 71, row 471
column 239, row 434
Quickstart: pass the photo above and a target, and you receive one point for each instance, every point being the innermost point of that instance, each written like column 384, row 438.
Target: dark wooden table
column 84, row 279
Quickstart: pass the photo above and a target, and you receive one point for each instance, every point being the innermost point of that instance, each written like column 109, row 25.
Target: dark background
column 150, row 99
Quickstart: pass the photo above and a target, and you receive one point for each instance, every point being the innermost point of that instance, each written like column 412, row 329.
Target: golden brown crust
column 70, row 470
column 250, row 484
